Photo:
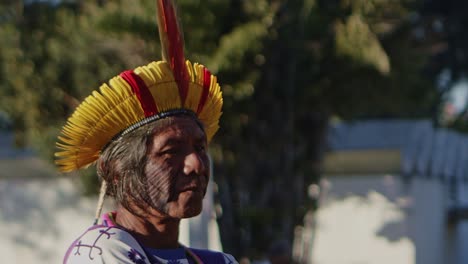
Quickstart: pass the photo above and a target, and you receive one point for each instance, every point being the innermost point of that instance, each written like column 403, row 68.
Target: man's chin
column 193, row 211
column 189, row 216
column 186, row 210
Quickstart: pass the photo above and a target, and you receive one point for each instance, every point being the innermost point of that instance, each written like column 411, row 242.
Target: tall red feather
column 172, row 44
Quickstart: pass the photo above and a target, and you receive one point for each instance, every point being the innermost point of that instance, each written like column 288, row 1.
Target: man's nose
column 193, row 164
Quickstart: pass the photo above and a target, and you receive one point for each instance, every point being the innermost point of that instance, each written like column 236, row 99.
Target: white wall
column 457, row 234
column 40, row 218
column 379, row 219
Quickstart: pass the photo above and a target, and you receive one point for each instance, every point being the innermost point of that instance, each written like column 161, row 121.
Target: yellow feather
column 113, row 108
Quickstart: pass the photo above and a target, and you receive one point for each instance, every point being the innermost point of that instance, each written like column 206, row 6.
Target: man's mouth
column 194, row 189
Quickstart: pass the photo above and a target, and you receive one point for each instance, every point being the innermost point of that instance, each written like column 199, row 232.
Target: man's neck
column 154, row 231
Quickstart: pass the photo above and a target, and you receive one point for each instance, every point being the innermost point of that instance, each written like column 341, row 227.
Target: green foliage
column 285, row 68
column 355, row 40
column 445, row 27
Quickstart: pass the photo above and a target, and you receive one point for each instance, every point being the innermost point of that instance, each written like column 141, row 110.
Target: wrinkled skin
column 177, row 169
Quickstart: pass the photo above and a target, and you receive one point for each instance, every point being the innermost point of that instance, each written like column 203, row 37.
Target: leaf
column 235, row 45
column 356, row 41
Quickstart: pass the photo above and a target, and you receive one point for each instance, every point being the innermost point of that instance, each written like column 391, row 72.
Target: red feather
column 172, row 44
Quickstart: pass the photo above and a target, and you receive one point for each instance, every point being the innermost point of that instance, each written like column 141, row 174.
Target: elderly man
column 147, row 131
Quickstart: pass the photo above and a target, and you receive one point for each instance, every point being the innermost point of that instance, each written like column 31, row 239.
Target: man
column 147, row 130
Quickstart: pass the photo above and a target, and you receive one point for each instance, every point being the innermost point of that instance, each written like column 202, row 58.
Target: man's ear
column 107, row 170
column 116, row 168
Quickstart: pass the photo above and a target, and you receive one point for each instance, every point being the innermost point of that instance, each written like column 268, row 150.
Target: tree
column 350, row 59
column 53, row 58
column 286, row 68
column 442, row 25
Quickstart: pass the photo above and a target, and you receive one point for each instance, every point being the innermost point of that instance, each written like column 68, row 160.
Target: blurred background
column 343, row 137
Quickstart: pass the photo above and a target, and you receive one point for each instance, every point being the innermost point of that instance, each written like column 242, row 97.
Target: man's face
column 178, row 169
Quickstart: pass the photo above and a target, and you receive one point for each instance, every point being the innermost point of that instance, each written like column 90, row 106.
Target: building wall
column 40, row 218
column 377, row 218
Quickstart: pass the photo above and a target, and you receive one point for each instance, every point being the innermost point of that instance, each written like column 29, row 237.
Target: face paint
column 160, row 183
column 177, row 169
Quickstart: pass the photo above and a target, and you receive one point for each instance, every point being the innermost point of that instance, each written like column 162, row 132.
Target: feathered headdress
column 136, row 97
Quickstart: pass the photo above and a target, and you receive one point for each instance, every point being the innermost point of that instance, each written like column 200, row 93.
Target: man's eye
column 170, row 151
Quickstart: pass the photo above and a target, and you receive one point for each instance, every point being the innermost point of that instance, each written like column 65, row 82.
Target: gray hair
column 122, row 165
